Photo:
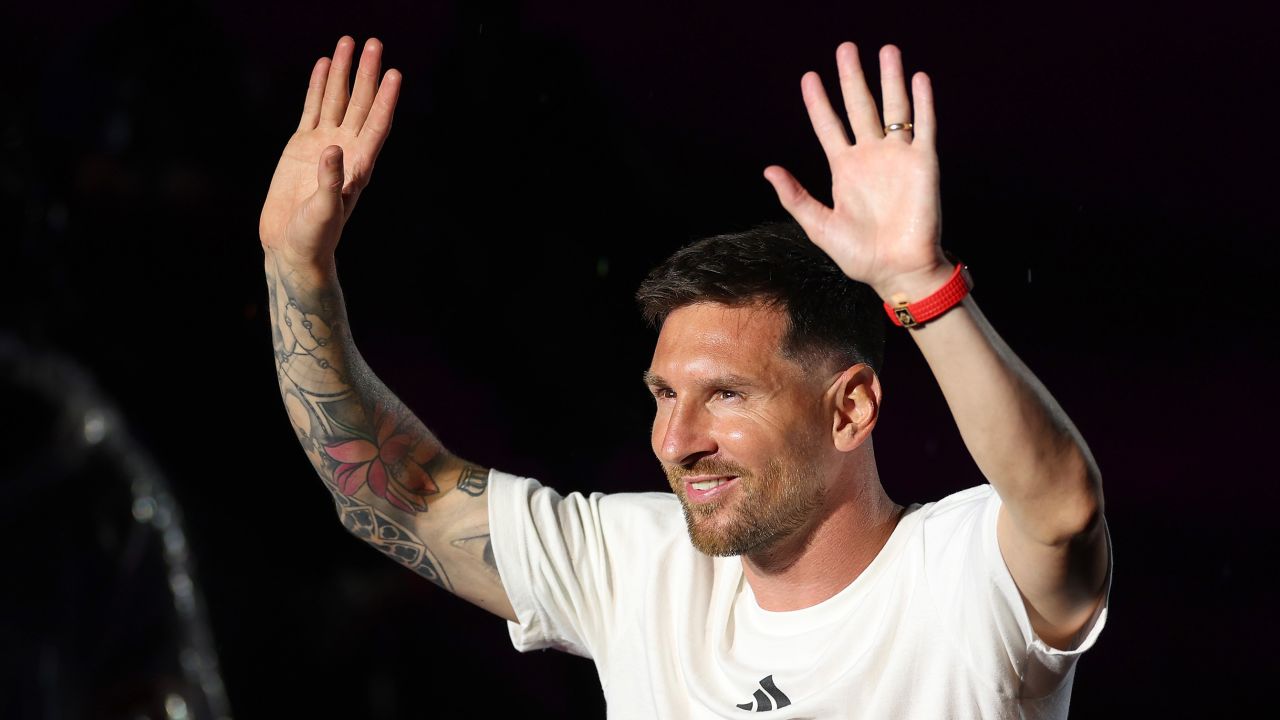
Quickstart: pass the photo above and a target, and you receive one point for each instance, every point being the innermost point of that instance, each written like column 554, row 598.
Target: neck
column 822, row 558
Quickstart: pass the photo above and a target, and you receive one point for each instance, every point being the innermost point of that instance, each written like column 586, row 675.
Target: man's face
column 740, row 429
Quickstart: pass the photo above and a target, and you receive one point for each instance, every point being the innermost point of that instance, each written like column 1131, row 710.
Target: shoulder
column 969, row 500
column 963, row 512
column 955, row 531
column 616, row 515
column 643, row 510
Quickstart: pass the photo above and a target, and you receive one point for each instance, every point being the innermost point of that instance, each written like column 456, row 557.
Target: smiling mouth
column 704, row 488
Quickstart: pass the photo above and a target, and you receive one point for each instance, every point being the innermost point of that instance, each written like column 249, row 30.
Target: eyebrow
column 653, row 379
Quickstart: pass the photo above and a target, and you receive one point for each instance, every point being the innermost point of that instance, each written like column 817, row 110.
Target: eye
column 664, row 393
column 728, row 394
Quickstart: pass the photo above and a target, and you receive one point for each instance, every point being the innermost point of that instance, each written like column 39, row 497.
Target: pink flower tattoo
column 384, row 464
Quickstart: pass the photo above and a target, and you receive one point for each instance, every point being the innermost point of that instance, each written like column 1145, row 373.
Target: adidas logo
column 767, row 697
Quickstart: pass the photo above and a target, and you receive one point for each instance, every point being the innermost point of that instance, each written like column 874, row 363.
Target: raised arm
column 885, row 230
column 394, row 485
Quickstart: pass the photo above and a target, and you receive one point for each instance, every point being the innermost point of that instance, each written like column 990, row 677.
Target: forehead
column 713, row 338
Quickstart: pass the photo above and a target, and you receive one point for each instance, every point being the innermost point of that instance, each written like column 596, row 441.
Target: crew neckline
column 792, row 621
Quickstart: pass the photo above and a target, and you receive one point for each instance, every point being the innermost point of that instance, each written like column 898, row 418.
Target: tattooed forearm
column 383, row 467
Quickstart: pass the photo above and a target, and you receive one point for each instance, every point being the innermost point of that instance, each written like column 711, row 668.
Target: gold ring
column 897, row 126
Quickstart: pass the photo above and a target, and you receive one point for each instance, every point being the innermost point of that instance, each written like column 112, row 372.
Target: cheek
column 738, row 436
column 755, row 439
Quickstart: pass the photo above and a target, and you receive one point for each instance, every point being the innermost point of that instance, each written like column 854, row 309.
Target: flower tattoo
column 385, row 463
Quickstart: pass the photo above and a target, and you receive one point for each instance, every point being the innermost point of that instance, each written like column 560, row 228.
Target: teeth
column 708, row 484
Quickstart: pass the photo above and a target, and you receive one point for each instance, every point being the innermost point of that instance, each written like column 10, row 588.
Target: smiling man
column 778, row 576
column 765, row 381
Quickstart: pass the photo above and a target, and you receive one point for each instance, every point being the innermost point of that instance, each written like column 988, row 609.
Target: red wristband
column 914, row 314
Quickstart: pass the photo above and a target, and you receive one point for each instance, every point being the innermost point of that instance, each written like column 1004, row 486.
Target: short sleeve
column 551, row 556
column 980, row 604
column 1045, row 666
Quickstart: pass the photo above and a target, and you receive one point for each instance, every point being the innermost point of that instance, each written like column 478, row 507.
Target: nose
column 683, row 434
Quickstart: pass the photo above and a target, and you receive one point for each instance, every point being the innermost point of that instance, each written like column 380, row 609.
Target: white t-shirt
column 933, row 628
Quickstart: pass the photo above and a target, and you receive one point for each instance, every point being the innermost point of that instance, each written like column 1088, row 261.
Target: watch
column 914, row 314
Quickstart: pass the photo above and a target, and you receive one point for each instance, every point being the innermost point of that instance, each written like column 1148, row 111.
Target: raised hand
column 886, row 223
column 329, row 160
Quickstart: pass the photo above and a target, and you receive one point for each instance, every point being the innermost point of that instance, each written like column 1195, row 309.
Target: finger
column 826, row 124
column 315, row 94
column 366, row 85
column 926, row 129
column 809, row 212
column 378, row 125
column 330, row 176
column 858, row 102
column 893, row 88
column 335, row 91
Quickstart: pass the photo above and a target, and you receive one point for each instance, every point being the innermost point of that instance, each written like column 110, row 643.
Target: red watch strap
column 922, row 311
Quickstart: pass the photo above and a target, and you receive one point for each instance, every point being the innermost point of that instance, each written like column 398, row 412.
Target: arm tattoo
column 393, row 539
column 474, row 481
column 376, row 459
column 481, row 543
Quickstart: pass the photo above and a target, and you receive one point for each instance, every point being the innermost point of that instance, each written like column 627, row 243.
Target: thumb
column 330, row 177
column 810, row 213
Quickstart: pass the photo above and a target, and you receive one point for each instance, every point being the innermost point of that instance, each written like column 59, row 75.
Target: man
column 806, row 590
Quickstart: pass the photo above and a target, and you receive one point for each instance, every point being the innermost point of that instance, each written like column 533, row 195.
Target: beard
column 764, row 508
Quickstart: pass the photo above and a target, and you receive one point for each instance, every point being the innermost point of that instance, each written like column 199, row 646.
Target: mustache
column 705, row 467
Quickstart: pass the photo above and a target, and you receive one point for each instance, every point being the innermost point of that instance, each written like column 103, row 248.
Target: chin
column 720, row 539
column 721, row 531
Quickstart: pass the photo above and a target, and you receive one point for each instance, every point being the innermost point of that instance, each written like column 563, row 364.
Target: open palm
column 886, row 223
column 330, row 158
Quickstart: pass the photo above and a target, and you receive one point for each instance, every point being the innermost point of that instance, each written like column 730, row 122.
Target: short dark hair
column 831, row 317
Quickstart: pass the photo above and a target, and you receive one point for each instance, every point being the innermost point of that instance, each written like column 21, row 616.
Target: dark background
column 1107, row 173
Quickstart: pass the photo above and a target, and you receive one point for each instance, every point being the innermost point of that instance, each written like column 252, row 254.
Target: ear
column 855, row 405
